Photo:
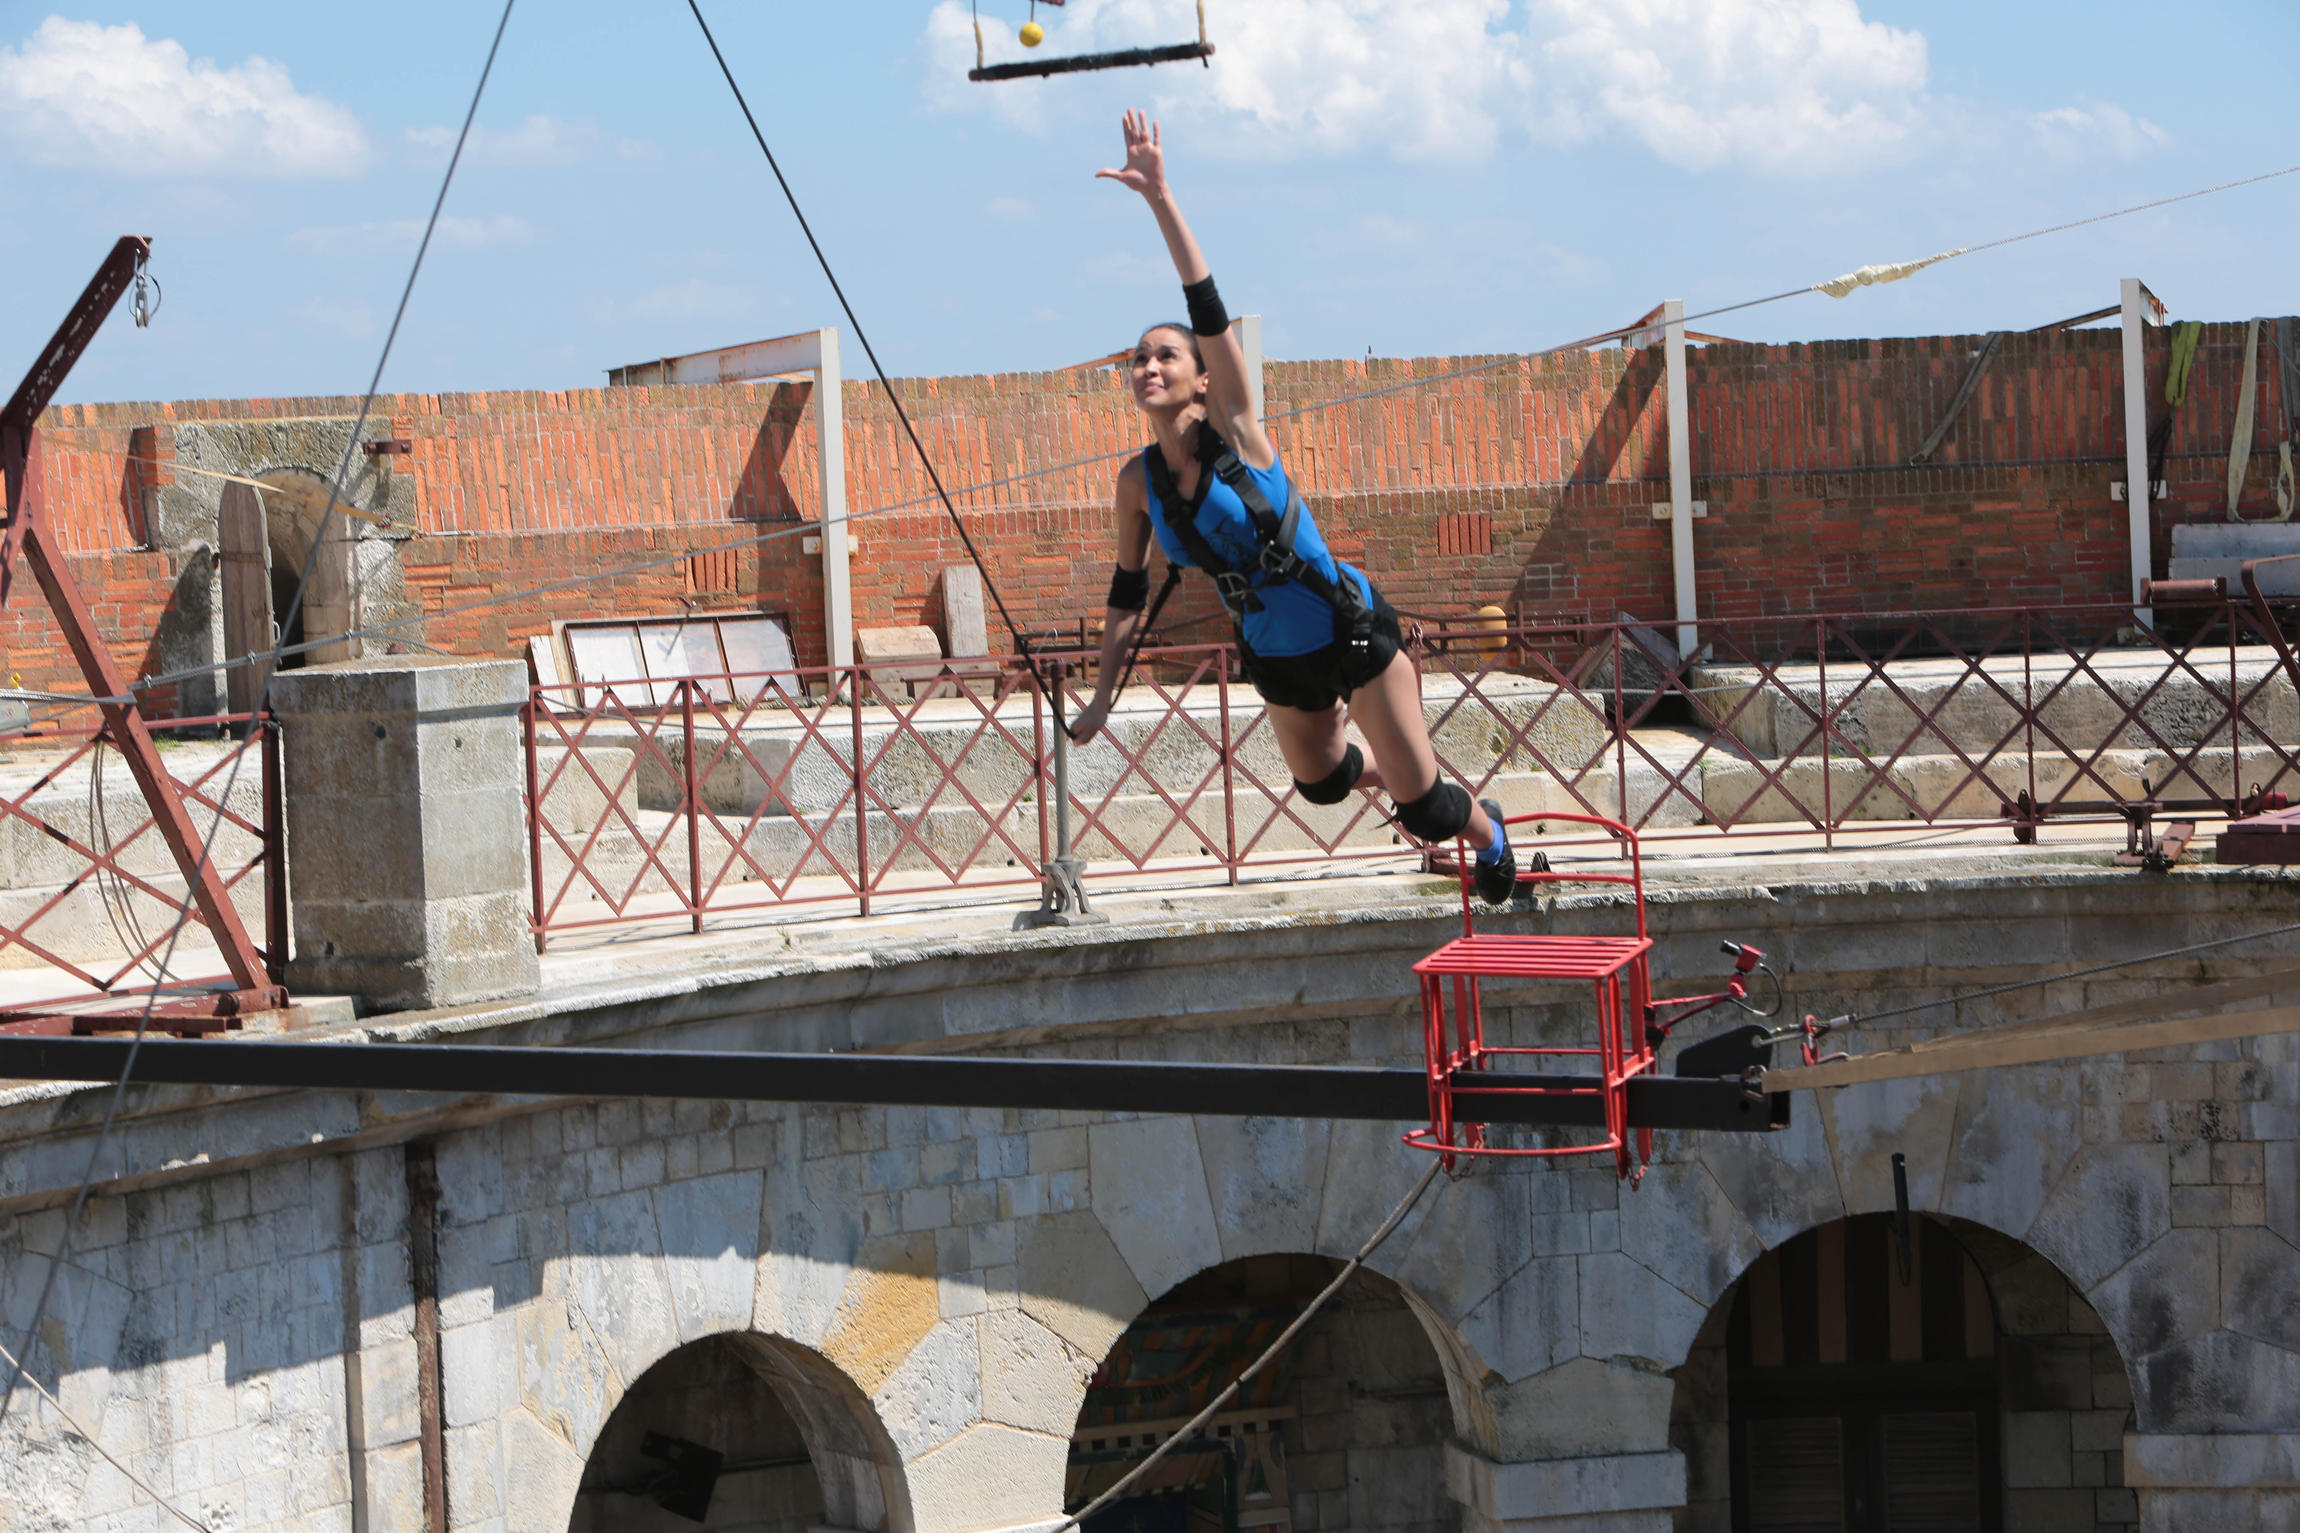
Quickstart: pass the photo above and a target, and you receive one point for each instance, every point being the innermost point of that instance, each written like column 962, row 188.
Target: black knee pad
column 1437, row 815
column 1335, row 785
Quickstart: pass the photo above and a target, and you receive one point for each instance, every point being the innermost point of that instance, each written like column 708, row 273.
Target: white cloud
column 2095, row 130
column 92, row 97
column 1010, row 210
column 539, row 139
column 453, row 233
column 1792, row 86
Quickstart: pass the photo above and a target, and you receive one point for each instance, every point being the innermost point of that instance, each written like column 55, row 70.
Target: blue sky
column 1434, row 177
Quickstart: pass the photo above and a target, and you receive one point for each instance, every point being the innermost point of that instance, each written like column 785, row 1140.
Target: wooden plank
column 1993, row 1047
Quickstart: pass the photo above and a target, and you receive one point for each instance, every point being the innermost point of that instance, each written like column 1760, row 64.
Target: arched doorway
column 741, row 1433
column 1347, row 1429
column 1927, row 1375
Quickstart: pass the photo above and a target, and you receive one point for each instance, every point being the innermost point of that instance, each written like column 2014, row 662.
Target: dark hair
column 1183, row 327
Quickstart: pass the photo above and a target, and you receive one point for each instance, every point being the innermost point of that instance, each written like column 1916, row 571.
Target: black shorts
column 1316, row 681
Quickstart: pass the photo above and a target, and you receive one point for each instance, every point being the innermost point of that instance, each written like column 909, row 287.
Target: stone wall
column 239, row 1320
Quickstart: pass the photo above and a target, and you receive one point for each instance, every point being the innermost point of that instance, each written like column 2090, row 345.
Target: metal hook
column 146, row 304
column 1904, row 1259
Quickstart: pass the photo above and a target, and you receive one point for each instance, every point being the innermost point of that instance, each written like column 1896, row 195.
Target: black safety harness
column 1353, row 616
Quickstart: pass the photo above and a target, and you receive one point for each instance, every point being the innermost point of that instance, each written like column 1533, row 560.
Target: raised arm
column 1229, row 398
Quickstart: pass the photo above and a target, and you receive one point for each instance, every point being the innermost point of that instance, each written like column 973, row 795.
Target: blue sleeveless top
column 1294, row 620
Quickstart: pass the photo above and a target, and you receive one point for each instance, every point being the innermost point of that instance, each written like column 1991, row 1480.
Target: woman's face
column 1165, row 371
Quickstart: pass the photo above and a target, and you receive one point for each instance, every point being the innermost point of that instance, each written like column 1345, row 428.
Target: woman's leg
column 1388, row 712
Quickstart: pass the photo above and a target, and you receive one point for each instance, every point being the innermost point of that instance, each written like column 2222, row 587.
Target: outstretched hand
column 1145, row 168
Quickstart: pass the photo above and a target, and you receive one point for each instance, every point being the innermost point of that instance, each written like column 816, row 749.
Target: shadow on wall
column 1871, row 1375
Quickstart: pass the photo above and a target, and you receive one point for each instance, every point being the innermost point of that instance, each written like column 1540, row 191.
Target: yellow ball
column 1032, row 34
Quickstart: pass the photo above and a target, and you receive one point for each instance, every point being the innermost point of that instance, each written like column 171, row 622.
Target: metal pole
column 694, row 819
column 1062, row 898
column 275, row 853
column 1229, row 778
column 2138, row 304
column 831, row 454
column 1828, row 800
column 535, row 815
column 862, row 807
column 1680, row 476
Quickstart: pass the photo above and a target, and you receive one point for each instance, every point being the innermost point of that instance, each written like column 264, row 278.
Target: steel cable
column 1856, row 1019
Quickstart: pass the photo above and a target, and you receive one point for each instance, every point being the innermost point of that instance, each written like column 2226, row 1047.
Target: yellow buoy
column 1032, row 34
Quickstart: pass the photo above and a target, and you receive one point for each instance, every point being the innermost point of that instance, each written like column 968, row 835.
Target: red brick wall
column 1527, row 482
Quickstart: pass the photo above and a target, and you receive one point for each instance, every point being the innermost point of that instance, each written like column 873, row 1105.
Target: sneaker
column 1496, row 878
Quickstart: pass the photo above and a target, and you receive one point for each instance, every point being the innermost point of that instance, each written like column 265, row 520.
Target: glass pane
column 759, row 653
column 664, row 646
column 699, row 657
column 608, row 652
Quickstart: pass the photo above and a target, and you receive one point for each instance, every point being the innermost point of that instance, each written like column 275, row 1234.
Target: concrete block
column 1267, row 1177
column 2109, row 1205
column 1683, row 1228
column 1074, row 1282
column 1149, row 1192
column 710, row 1234
column 1628, row 1312
column 990, row 1477
column 1561, row 1488
column 2015, row 1133
column 406, row 829
column 935, row 1393
column 1031, row 1378
column 963, row 620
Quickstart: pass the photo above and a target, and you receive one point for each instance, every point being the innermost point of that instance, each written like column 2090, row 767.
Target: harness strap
column 1274, row 535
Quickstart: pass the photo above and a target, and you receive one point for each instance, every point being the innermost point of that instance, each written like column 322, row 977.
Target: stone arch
column 292, row 521
column 1852, row 1385
column 1347, row 1429
column 798, row 1444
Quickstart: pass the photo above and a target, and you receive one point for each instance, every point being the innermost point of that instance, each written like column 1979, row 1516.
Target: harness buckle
column 1236, row 594
column 1282, row 564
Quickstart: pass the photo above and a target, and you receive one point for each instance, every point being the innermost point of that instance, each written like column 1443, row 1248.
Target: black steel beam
column 894, row 1080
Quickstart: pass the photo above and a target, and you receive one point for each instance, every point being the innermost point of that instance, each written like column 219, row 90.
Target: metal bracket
column 2146, row 850
column 1063, row 901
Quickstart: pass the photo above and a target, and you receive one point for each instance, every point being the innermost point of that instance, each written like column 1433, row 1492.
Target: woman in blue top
column 1313, row 631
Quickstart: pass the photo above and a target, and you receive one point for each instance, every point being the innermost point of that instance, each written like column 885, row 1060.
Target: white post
column 1249, row 329
column 830, row 432
column 1680, row 476
column 2137, row 489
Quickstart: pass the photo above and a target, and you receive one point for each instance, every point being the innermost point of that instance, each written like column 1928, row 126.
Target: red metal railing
column 723, row 794
column 92, row 900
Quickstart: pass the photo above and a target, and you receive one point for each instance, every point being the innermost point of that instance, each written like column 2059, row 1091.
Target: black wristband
column 1129, row 589
column 1207, row 316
